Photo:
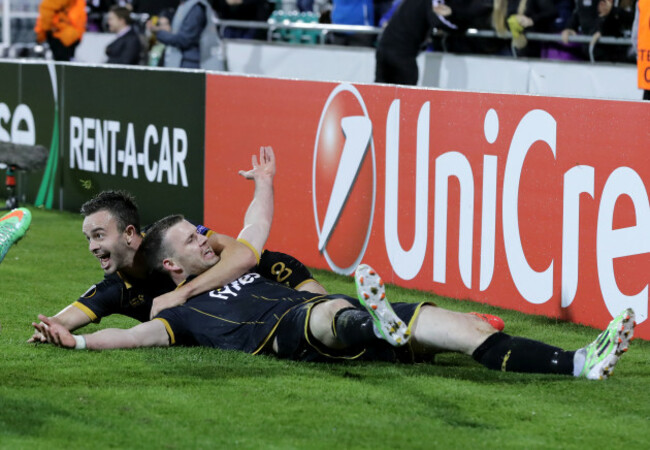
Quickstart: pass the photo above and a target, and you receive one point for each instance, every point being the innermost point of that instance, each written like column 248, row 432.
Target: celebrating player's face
column 190, row 249
column 105, row 242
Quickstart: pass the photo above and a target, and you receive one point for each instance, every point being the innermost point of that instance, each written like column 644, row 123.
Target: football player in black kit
column 112, row 228
column 256, row 315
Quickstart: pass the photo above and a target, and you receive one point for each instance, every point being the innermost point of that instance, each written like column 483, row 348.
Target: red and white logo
column 344, row 179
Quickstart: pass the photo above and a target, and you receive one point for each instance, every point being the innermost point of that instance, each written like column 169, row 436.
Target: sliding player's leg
column 435, row 330
column 324, row 329
column 596, row 361
column 340, row 323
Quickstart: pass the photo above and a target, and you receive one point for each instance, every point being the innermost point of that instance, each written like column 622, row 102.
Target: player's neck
column 133, row 271
column 178, row 277
column 137, row 268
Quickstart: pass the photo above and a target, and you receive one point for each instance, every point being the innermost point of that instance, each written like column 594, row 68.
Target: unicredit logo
column 343, row 179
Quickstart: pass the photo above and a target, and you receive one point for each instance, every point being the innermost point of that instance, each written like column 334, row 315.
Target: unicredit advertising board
column 530, row 203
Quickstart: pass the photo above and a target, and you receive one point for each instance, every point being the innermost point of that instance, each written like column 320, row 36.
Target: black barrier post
column 10, row 183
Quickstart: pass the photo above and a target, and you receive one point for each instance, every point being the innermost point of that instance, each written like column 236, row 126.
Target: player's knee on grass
column 320, row 321
column 437, row 330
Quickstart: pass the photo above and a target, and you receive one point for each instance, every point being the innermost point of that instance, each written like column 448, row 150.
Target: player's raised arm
column 259, row 216
column 148, row 334
column 237, row 256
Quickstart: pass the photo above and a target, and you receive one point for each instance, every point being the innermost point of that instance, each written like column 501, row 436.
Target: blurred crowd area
column 509, row 21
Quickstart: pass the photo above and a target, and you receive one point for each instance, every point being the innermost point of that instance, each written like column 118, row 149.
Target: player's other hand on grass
column 265, row 168
column 166, row 301
column 54, row 333
column 37, row 338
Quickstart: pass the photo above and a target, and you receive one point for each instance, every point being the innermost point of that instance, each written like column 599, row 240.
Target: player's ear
column 130, row 232
column 169, row 265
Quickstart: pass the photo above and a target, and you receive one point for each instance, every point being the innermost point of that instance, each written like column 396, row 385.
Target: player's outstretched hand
column 37, row 338
column 54, row 333
column 265, row 168
column 166, row 301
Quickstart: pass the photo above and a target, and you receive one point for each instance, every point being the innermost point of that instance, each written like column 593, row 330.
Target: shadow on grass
column 218, row 364
column 25, row 417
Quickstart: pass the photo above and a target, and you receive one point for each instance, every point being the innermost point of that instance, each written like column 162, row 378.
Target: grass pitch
column 182, row 398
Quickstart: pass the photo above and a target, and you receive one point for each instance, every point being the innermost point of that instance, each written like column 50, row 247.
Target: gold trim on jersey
column 271, row 333
column 249, row 245
column 170, row 332
column 225, row 320
column 124, row 280
column 266, row 299
column 87, row 311
column 92, row 288
column 301, row 284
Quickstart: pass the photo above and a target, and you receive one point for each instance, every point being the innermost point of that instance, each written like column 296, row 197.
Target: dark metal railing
column 324, row 29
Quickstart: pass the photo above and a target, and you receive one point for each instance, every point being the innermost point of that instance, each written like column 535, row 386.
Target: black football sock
column 515, row 354
column 353, row 326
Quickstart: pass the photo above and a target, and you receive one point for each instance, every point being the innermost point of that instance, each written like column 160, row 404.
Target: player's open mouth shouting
column 104, row 259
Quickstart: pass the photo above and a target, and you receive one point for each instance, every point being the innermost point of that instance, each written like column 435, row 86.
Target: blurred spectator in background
column 455, row 17
column 466, row 14
column 127, row 47
column 382, row 8
column 383, row 13
column 598, row 18
column 641, row 44
column 153, row 7
column 410, row 26
column 156, row 56
column 561, row 50
column 249, row 10
column 191, row 41
column 399, row 44
column 97, row 10
column 353, row 12
column 519, row 16
column 564, row 10
column 305, row 5
column 62, row 24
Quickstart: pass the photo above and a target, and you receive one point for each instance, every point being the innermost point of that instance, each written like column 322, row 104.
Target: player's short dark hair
column 122, row 13
column 120, row 204
column 153, row 245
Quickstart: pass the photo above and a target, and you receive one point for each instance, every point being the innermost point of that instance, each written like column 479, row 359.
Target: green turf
column 183, row 398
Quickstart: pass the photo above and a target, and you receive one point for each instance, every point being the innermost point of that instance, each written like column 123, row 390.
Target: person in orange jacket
column 641, row 43
column 62, row 24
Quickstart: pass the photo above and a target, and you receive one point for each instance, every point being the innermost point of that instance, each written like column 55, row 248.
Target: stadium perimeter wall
column 531, row 203
column 106, row 128
column 441, row 70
